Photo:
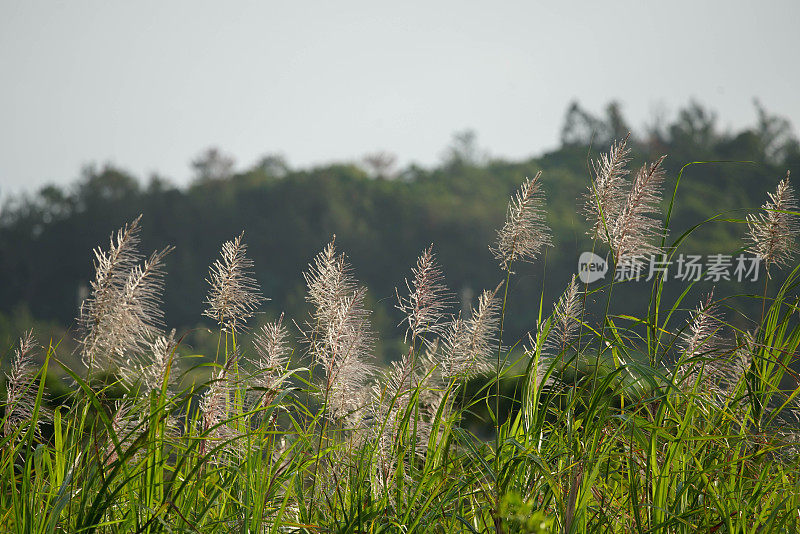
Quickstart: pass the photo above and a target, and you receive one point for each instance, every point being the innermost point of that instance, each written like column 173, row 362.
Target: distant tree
column 55, row 204
column 695, row 128
column 107, row 184
column 776, row 135
column 464, row 150
column 213, row 164
column 616, row 125
column 412, row 173
column 655, row 129
column 158, row 184
column 380, row 164
column 274, row 165
column 581, row 128
column 46, row 239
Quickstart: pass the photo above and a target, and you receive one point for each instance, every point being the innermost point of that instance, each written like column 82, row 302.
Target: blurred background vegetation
column 382, row 217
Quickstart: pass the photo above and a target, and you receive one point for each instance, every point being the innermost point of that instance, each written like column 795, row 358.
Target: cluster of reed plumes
column 618, row 424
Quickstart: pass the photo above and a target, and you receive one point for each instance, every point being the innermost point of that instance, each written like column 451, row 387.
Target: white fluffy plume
column 773, row 233
column 623, row 214
column 122, row 315
column 234, row 295
column 606, row 196
column 525, row 231
column 21, row 390
column 428, row 297
column 636, row 228
column 469, row 343
column 339, row 334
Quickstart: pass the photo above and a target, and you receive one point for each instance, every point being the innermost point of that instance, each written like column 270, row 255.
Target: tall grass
column 622, row 423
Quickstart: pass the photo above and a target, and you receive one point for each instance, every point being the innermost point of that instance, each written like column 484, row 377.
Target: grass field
column 674, row 421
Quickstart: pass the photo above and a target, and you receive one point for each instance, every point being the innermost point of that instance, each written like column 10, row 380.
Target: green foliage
column 290, row 213
column 667, row 459
column 522, row 517
column 622, row 429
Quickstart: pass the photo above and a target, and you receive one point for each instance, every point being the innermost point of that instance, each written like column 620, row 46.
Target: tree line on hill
column 382, row 218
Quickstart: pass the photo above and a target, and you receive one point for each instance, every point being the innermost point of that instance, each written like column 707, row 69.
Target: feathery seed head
column 525, row 231
column 772, row 234
column 113, row 266
column 106, row 330
column 122, row 315
column 620, row 216
column 155, row 366
column 635, row 228
column 468, row 343
column 428, row 374
column 700, row 337
column 329, row 281
column 565, row 321
column 702, row 359
column 215, row 409
column 349, row 341
column 399, row 381
column 124, row 425
column 234, row 295
column 272, row 349
column 339, row 334
column 391, row 393
column 732, row 369
column 391, row 401
column 427, row 298
column 606, row 196
column 138, row 308
column 20, row 388
column 564, row 325
column 214, row 405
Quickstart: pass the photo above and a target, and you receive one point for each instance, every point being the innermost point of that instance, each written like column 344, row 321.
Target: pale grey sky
column 148, row 85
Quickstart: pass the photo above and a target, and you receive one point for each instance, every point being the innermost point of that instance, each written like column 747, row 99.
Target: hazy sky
column 148, row 85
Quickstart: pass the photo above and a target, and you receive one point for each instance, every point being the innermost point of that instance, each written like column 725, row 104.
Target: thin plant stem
column 497, row 396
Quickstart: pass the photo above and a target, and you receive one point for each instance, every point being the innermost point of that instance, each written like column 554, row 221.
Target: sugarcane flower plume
column 525, row 231
column 635, row 229
column 700, row 337
column 157, row 367
column 270, row 343
column 103, row 335
column 122, row 315
column 606, row 196
column 350, row 341
column 427, row 299
column 549, row 345
column 234, row 296
column 393, row 392
column 391, row 405
column 124, row 424
column 20, row 388
column 773, row 233
column 215, row 403
column 329, row 281
column 339, row 334
column 565, row 320
column 702, row 358
column 730, row 370
column 329, row 284
column 429, row 378
column 469, row 343
column 390, row 398
column 215, row 410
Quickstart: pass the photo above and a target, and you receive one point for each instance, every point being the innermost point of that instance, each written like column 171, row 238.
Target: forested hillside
column 382, row 218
